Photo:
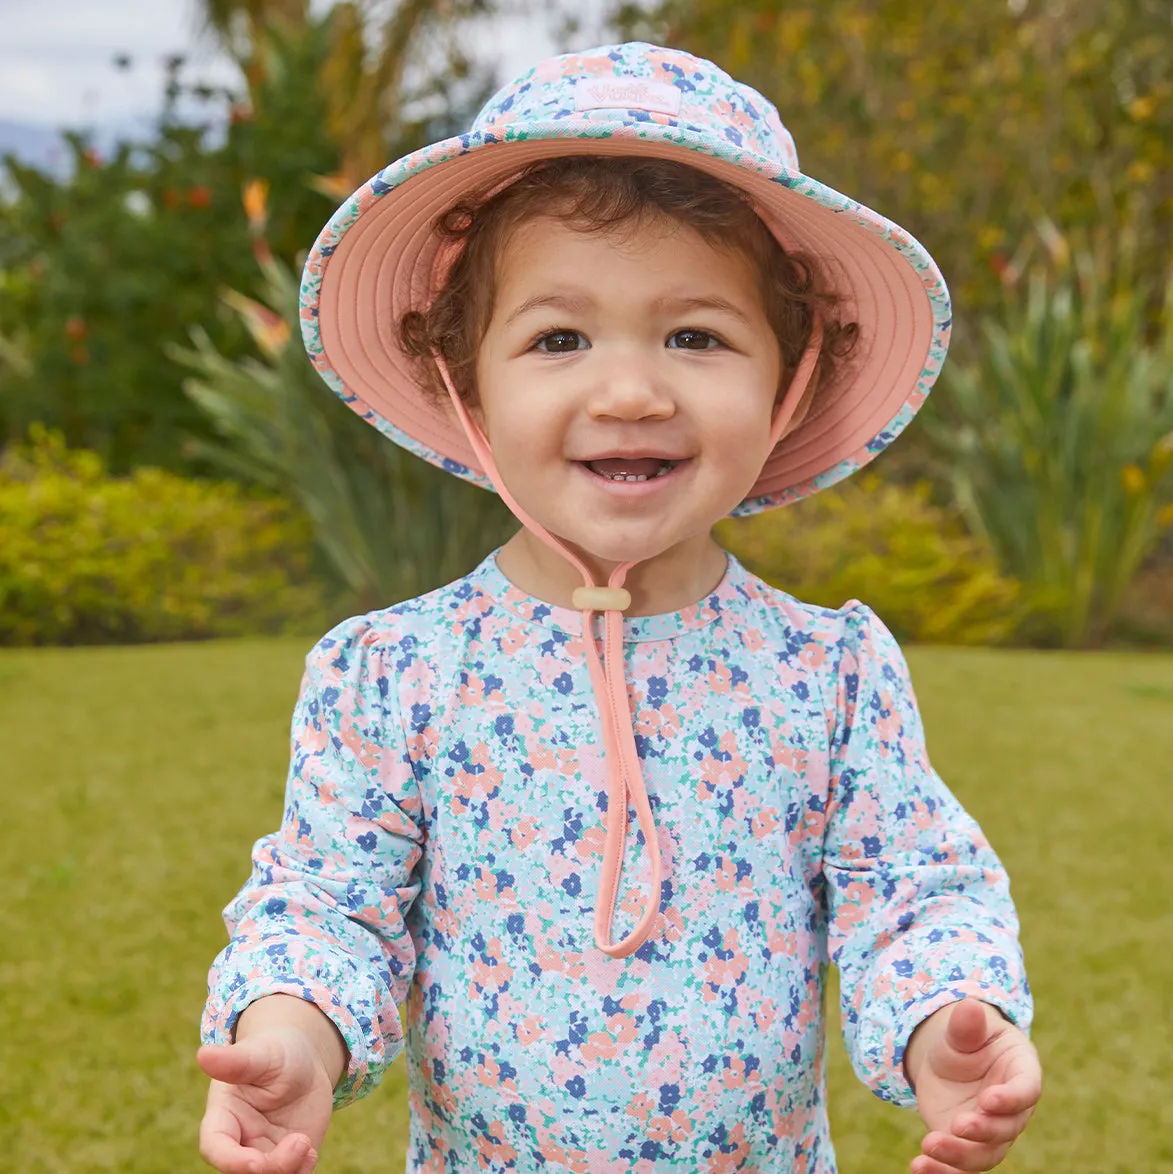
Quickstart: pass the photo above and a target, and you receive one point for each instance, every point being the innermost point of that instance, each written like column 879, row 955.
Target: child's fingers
column 998, row 1130
column 308, row 1162
column 925, row 1165
column 289, row 1157
column 1016, row 1095
column 222, row 1151
column 968, row 1028
column 962, row 1154
column 248, row 1062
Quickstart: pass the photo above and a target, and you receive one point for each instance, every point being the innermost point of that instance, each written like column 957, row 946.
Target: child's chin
column 619, row 550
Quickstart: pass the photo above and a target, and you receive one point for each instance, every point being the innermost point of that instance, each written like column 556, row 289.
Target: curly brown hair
column 606, row 196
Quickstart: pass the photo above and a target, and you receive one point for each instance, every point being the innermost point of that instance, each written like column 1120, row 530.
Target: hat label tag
column 606, row 93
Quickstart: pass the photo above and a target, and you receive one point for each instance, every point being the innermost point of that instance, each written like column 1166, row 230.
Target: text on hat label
column 601, row 93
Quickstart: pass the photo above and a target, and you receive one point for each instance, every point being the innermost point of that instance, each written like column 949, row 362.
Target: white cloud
column 56, row 58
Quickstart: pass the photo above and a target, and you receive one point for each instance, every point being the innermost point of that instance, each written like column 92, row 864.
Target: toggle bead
column 601, row 599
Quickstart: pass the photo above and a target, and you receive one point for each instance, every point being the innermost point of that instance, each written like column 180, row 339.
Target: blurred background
column 185, row 508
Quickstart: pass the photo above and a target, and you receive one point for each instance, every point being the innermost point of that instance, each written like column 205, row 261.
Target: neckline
column 490, row 579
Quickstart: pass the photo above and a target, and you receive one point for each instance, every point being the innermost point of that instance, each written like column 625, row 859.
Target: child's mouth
column 631, row 468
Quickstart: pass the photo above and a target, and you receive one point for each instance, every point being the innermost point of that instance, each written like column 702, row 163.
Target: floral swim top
column 441, row 845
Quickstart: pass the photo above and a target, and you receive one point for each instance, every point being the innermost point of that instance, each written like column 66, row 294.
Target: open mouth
column 631, row 468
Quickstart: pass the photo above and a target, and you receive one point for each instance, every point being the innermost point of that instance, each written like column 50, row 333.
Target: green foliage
column 102, row 269
column 890, row 547
column 1059, row 437
column 90, row 559
column 93, row 269
column 964, row 122
column 99, row 269
column 369, row 77
column 389, row 525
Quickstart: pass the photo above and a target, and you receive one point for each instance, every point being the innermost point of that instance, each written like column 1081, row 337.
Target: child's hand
column 977, row 1080
column 272, row 1092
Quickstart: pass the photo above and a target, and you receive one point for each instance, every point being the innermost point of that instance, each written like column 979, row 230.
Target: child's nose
column 629, row 388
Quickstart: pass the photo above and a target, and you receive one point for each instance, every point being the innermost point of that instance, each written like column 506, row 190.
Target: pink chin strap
column 608, row 677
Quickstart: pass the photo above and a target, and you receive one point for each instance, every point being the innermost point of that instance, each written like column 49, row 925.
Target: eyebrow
column 721, row 305
column 581, row 303
column 574, row 303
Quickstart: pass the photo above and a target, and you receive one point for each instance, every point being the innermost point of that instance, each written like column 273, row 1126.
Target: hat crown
column 622, row 85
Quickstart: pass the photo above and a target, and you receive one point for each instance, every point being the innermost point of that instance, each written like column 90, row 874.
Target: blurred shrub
column 90, row 559
column 1059, row 436
column 388, row 525
column 105, row 261
column 1146, row 618
column 962, row 122
column 890, row 547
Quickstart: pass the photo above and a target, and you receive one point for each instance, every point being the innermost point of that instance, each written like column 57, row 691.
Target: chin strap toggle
column 601, row 599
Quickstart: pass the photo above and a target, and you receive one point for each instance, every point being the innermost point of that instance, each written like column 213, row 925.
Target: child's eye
column 693, row 340
column 559, row 342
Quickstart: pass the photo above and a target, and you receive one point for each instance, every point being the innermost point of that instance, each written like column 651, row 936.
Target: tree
column 102, row 269
column 362, row 79
column 963, row 122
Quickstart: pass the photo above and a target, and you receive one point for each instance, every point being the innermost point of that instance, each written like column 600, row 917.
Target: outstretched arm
column 920, row 919
column 302, row 1003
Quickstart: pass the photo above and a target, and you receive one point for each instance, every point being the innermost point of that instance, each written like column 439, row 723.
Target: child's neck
column 667, row 582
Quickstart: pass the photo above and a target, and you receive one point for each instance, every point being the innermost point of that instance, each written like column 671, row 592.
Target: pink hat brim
column 380, row 257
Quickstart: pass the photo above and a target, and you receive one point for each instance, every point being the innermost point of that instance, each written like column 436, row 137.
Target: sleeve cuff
column 885, row 1074
column 224, row 1008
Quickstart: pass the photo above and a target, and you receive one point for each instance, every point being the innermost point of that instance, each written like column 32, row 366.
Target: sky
column 56, row 57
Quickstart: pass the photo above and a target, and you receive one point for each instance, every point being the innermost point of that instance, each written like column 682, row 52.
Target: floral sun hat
column 379, row 257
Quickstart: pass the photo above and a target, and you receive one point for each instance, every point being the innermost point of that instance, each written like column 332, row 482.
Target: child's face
column 642, row 355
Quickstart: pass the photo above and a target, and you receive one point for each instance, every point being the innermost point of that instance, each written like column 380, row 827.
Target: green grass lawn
column 136, row 779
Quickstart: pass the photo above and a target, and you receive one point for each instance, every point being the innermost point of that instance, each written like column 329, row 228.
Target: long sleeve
column 919, row 909
column 323, row 913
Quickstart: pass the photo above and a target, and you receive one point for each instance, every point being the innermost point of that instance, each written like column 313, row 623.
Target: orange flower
column 764, row 822
column 269, row 330
column 598, row 1046
column 524, row 833
column 640, row 1106
column 591, row 842
column 1133, row 480
column 335, row 187
column 530, row 1030
column 255, row 198
column 199, row 196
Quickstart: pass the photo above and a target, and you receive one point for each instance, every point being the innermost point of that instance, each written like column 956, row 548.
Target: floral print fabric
column 441, row 844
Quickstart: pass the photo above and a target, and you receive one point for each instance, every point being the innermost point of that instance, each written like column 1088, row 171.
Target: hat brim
column 379, row 257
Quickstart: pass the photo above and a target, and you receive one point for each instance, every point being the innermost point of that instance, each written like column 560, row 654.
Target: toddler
column 602, row 812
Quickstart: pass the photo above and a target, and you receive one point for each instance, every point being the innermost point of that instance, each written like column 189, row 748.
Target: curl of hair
column 609, row 196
